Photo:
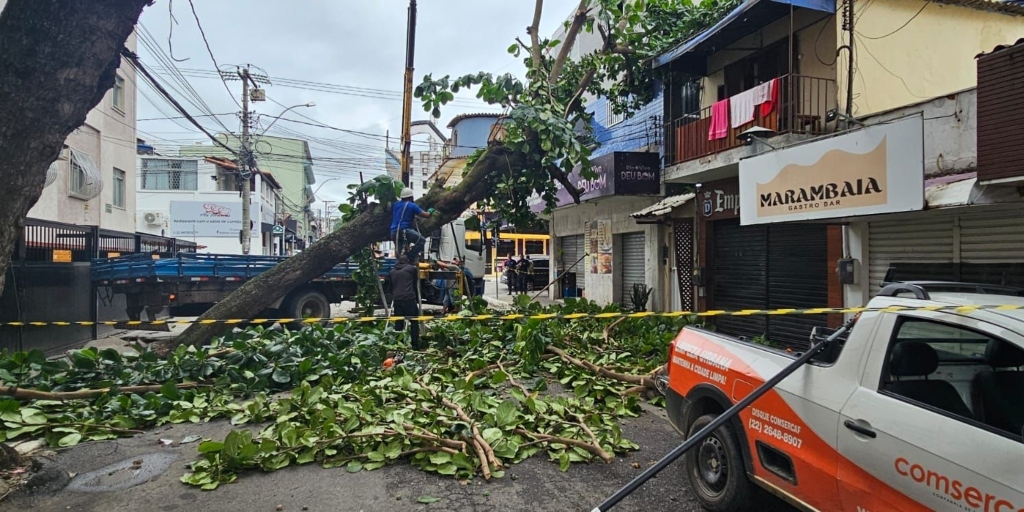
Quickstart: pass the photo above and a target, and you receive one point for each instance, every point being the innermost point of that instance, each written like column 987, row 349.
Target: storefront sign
column 61, row 256
column 597, row 237
column 720, row 199
column 615, row 174
column 879, row 169
column 218, row 219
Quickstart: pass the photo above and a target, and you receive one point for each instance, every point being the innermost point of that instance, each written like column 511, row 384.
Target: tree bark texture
column 373, row 225
column 58, row 58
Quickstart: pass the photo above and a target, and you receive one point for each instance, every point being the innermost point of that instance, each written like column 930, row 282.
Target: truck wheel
column 715, row 469
column 308, row 304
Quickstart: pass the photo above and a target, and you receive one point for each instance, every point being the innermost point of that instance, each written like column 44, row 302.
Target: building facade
column 806, row 199
column 600, row 248
column 199, row 200
column 93, row 181
column 291, row 163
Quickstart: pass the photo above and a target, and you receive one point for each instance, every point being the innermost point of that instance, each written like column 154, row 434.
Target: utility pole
column 243, row 165
column 410, row 51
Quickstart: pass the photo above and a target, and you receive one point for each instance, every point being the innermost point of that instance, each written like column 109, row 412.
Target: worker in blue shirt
column 402, row 215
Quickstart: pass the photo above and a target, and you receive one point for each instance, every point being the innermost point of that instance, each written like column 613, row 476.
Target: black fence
column 48, row 280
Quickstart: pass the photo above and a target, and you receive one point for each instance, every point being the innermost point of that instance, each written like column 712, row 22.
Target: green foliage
column 343, row 408
column 547, row 121
column 366, row 277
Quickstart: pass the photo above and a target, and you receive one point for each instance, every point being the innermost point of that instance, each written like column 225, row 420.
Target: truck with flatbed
column 152, row 283
column 918, row 406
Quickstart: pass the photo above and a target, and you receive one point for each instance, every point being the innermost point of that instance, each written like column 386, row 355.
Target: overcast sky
column 347, row 44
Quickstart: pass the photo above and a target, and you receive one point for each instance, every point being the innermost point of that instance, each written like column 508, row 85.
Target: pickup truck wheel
column 715, row 469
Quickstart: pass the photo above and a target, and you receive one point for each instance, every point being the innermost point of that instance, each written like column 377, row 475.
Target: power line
column 134, row 59
column 209, row 51
column 912, row 18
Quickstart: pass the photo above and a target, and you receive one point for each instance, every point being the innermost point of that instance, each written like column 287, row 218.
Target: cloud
column 358, row 45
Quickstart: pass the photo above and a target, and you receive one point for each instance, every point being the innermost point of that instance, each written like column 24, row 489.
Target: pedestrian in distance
column 510, row 275
column 525, row 269
column 403, row 292
column 403, row 213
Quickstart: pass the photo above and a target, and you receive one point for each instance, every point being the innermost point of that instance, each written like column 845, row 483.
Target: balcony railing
column 802, row 103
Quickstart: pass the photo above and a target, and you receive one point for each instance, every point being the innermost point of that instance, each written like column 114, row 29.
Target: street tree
column 57, row 60
column 544, row 133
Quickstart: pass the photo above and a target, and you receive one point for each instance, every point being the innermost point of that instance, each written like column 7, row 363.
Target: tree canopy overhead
column 547, row 122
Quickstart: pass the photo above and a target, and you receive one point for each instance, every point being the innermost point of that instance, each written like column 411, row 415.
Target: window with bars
column 164, row 174
column 84, row 180
column 119, row 196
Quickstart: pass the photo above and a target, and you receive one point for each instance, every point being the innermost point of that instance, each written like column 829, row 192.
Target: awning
column 964, row 190
column 664, row 207
column 749, row 17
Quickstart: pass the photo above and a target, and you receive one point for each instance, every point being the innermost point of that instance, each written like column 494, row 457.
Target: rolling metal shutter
column 739, row 269
column 571, row 248
column 632, row 265
column 768, row 267
column 918, row 249
column 992, row 248
column 798, row 269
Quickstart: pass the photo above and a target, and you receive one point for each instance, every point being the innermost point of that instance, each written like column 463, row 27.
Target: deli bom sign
column 879, row 169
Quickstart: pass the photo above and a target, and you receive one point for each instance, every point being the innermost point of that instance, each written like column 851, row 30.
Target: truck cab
column 449, row 241
column 920, row 408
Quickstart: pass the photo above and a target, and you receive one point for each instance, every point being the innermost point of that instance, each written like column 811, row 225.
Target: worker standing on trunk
column 403, row 291
column 402, row 215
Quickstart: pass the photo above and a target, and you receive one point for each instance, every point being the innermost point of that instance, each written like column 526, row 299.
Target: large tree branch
column 562, row 178
column 368, row 227
column 578, row 19
column 533, row 30
column 58, row 58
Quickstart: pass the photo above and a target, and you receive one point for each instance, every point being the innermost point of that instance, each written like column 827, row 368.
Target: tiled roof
column 1003, row 6
column 1000, row 48
column 460, row 117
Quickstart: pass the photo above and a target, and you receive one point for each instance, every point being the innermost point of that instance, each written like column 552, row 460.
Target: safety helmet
column 406, row 193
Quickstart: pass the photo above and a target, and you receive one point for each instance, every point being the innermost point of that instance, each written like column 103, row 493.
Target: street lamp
column 310, row 104
column 322, row 183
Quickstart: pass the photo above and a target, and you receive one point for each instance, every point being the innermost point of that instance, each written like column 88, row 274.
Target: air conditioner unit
column 153, row 218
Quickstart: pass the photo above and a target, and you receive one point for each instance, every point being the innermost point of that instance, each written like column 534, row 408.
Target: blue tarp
column 745, row 19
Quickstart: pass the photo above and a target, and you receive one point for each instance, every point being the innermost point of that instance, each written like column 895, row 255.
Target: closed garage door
column 798, row 269
column 632, row 265
column 570, row 251
column 976, row 248
column 770, row 267
column 740, row 278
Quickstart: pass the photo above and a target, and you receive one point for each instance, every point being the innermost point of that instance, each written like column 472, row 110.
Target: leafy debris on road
column 472, row 405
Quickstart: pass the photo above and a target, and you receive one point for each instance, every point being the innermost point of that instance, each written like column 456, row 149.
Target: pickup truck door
column 916, row 445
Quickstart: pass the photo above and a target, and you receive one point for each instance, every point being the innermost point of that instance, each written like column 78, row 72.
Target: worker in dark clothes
column 525, row 268
column 403, row 290
column 510, row 275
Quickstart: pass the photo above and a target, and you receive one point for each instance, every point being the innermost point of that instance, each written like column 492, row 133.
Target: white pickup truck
column 916, row 409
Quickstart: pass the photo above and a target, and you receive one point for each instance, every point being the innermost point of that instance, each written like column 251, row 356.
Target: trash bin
column 569, row 285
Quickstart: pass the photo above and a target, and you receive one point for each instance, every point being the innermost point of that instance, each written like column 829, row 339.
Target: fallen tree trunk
column 58, row 58
column 370, row 226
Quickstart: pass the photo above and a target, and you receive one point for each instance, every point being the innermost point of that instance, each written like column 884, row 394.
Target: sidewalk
column 499, row 297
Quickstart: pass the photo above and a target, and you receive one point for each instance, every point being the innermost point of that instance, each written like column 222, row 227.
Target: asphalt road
column 535, row 484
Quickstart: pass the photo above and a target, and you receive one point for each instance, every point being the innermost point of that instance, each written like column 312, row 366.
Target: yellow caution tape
column 518, row 316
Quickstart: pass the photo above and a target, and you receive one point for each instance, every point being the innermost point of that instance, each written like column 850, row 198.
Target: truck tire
column 715, row 469
column 307, row 304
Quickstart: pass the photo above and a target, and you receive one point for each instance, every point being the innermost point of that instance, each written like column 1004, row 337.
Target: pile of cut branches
column 487, row 395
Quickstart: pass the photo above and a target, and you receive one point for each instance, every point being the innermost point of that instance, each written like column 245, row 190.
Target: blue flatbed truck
column 151, row 284
column 197, row 281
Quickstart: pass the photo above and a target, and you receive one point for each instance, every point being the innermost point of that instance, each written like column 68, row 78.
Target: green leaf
column 440, row 458
column 354, row 466
column 428, row 499
column 210, row 447
column 31, row 416
column 190, row 439
column 491, row 435
column 70, row 440
column 506, row 413
column 281, row 376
